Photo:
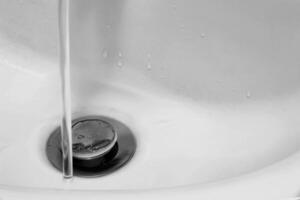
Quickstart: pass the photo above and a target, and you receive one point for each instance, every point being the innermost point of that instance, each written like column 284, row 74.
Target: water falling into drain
column 91, row 146
column 66, row 126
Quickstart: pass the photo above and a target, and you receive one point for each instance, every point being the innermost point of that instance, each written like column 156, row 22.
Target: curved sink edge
column 266, row 183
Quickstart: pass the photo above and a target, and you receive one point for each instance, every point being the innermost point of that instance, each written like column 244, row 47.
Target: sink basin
column 211, row 90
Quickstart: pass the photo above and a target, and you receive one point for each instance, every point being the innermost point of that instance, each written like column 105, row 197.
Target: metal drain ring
column 119, row 155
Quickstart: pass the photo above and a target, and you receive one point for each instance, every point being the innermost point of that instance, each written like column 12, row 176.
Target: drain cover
column 92, row 138
column 101, row 145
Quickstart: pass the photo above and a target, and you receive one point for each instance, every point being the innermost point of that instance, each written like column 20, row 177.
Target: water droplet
column 120, row 64
column 248, row 95
column 120, row 54
column 104, row 53
column 202, row 35
column 149, row 66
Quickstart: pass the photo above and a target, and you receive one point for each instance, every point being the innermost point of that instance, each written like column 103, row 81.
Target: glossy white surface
column 210, row 88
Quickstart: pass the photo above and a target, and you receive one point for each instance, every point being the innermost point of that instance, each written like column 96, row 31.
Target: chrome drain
column 101, row 145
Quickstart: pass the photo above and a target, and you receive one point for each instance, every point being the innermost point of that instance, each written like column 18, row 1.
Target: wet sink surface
column 208, row 99
column 180, row 141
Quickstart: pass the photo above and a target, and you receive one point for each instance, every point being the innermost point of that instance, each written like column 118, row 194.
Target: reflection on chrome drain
column 101, row 145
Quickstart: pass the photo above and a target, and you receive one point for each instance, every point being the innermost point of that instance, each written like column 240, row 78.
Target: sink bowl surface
column 211, row 90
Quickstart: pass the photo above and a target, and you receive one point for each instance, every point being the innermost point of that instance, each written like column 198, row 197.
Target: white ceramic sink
column 211, row 90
